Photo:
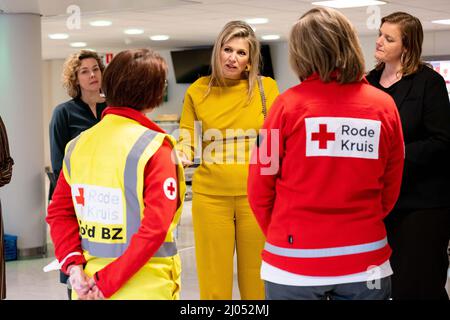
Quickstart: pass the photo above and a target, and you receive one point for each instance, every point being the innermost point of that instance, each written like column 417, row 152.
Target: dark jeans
column 345, row 291
column 63, row 278
column 419, row 241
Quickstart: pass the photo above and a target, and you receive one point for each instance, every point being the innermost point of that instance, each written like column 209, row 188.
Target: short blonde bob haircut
column 71, row 68
column 412, row 39
column 236, row 29
column 324, row 41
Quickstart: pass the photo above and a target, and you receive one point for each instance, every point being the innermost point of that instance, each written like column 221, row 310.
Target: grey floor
column 26, row 280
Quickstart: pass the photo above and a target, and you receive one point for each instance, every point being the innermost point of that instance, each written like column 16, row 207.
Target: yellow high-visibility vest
column 105, row 168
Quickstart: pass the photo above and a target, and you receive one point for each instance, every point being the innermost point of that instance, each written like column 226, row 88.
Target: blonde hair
column 412, row 39
column 323, row 40
column 235, row 29
column 71, row 67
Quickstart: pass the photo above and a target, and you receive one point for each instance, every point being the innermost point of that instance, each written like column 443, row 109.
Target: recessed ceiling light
column 270, row 37
column 159, row 37
column 133, row 31
column 58, row 36
column 78, row 44
column 348, row 3
column 100, row 23
column 445, row 21
column 257, row 20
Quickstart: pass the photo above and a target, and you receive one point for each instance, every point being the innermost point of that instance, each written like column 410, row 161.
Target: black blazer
column 424, row 107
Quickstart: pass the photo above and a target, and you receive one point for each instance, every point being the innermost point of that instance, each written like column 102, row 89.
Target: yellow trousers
column 223, row 224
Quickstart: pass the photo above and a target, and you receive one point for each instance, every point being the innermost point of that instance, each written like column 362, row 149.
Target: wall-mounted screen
column 191, row 64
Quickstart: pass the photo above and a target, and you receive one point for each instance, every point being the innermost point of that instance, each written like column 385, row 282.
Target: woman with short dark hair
column 120, row 193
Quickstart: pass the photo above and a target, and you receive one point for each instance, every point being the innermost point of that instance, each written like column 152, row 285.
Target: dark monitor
column 191, row 64
column 266, row 68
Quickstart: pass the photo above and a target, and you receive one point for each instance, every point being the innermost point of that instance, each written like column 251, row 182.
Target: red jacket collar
column 315, row 76
column 134, row 115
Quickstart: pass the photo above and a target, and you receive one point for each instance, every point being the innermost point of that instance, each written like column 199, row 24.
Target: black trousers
column 419, row 239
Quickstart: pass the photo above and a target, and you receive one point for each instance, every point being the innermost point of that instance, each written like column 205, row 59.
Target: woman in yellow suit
column 227, row 108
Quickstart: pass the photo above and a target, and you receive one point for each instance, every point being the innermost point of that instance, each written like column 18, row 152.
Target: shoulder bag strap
column 263, row 97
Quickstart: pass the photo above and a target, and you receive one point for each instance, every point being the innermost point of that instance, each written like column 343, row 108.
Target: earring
column 402, row 58
column 247, row 68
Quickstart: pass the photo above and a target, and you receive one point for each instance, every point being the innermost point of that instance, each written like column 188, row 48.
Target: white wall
column 21, row 110
column 53, row 94
column 283, row 73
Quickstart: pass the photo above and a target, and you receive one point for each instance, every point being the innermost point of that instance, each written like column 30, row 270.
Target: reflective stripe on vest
column 130, row 181
column 108, row 250
column 69, row 154
column 326, row 252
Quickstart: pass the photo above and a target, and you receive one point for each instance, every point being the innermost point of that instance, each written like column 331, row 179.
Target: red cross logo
column 80, row 199
column 170, row 188
column 323, row 136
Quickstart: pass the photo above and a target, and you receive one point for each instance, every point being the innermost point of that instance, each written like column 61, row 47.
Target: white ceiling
column 189, row 22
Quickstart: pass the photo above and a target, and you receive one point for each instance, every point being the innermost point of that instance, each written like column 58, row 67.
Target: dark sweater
column 68, row 121
column 424, row 107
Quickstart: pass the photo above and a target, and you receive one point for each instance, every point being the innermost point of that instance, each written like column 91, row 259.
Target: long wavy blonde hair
column 236, row 29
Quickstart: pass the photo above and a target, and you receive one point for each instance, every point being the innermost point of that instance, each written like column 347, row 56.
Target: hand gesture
column 79, row 280
column 94, row 292
column 185, row 162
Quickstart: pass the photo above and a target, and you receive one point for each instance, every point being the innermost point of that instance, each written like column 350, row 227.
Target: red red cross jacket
column 158, row 214
column 326, row 170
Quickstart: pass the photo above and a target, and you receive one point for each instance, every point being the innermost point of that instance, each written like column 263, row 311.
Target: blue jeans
column 345, row 291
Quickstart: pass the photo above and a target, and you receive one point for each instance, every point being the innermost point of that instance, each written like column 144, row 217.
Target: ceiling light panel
column 340, row 4
column 58, row 36
column 270, row 37
column 100, row 23
column 257, row 20
column 78, row 44
column 133, row 31
column 445, row 21
column 159, row 37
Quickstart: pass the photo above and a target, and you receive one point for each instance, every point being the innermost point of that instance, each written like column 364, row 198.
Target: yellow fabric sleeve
column 223, row 110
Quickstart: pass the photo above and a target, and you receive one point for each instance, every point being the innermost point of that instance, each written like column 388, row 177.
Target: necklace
column 387, row 81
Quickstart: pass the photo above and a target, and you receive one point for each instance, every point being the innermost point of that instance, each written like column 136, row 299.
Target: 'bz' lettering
column 111, row 234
